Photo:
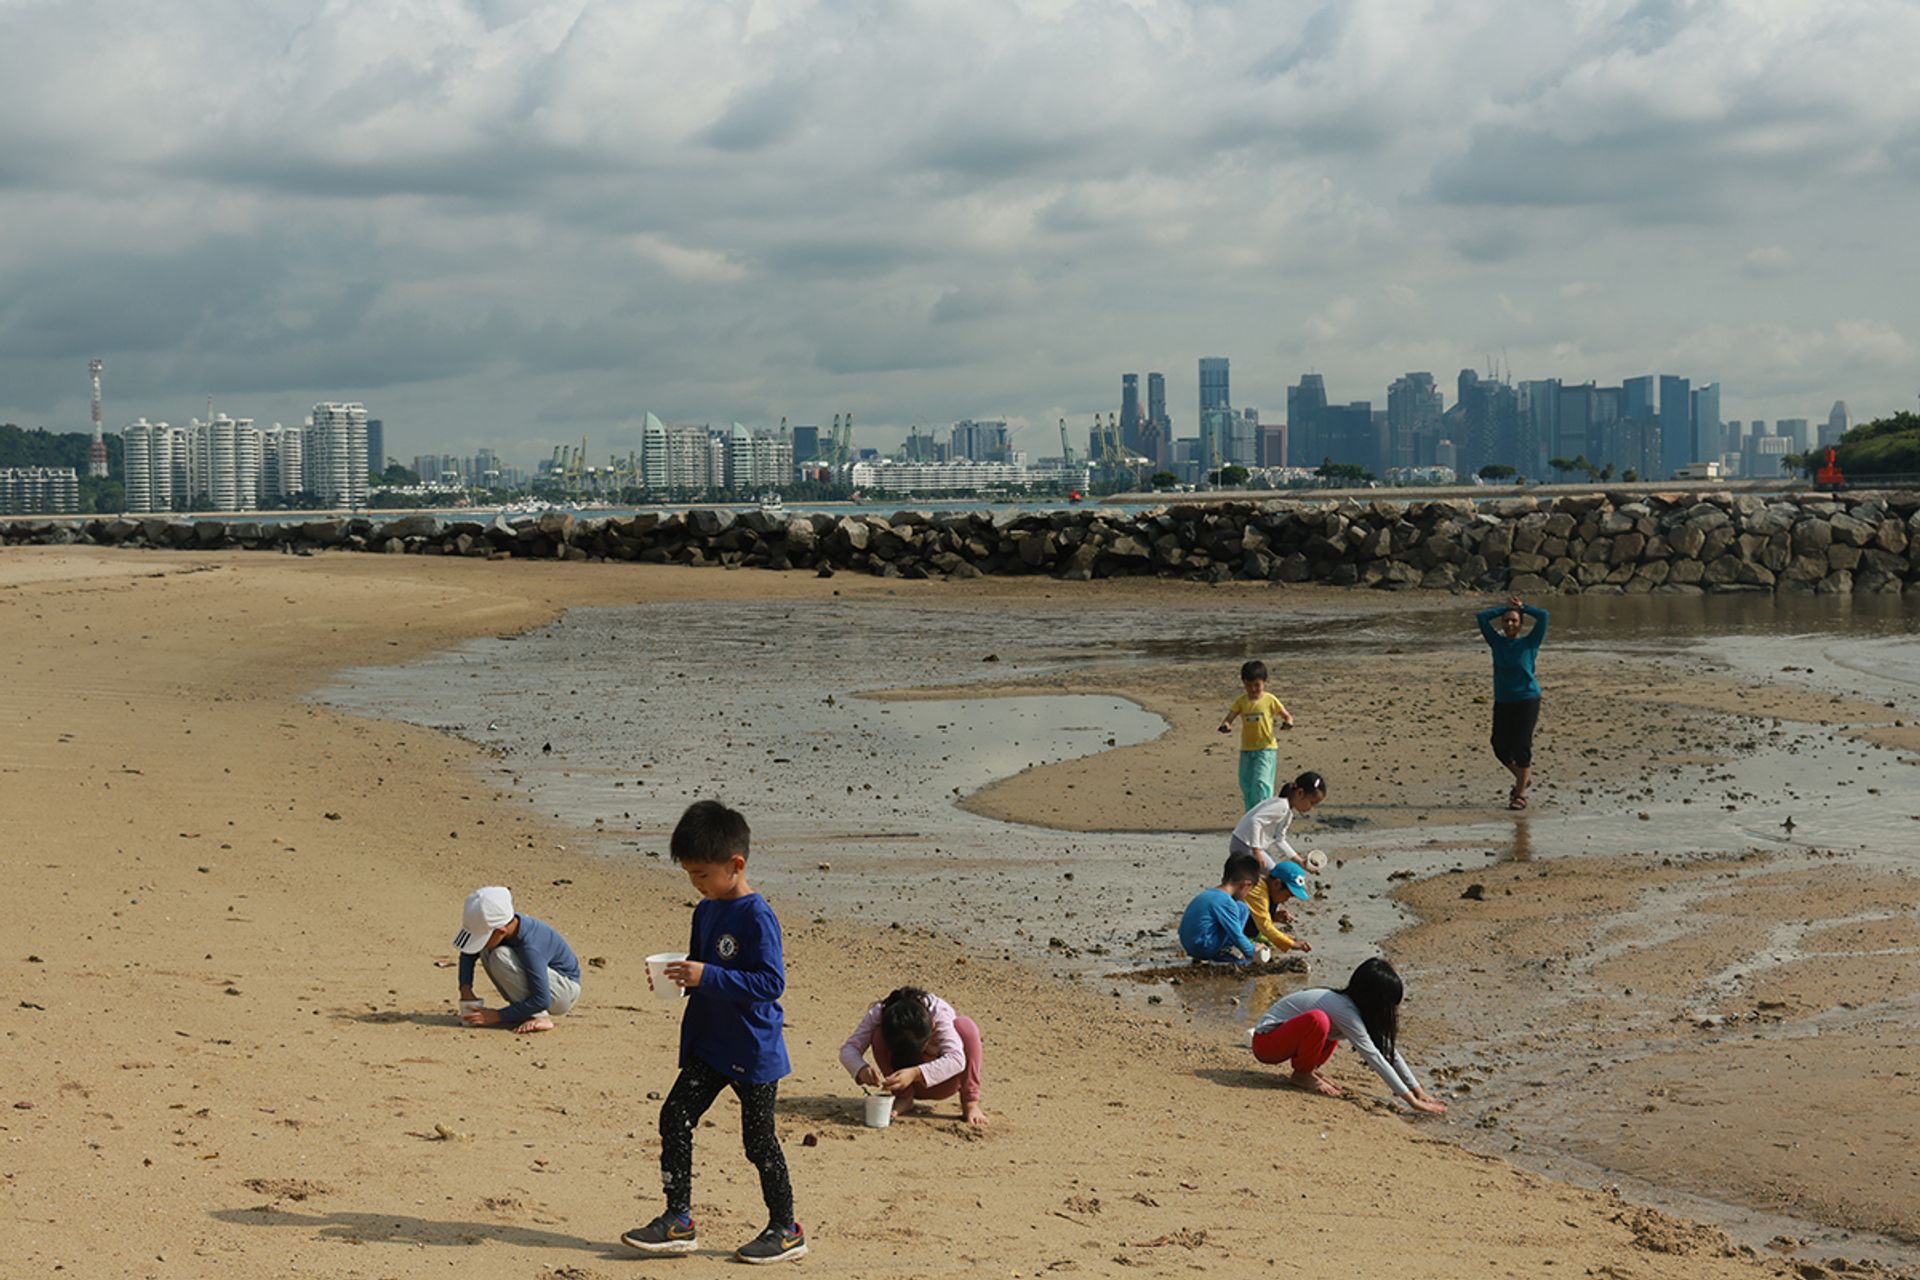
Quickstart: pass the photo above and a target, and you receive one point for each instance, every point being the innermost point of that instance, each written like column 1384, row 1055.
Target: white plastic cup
column 1316, row 861
column 663, row 987
column 469, row 1006
column 879, row 1110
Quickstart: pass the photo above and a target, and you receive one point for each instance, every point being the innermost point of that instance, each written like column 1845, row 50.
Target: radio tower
column 97, row 455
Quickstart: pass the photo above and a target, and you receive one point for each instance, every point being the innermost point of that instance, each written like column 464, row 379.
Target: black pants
column 695, row 1090
column 1513, row 724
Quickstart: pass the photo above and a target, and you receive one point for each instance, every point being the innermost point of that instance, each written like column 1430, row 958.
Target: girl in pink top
column 921, row 1050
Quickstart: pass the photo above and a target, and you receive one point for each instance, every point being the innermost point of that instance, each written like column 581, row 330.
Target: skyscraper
column 1214, row 392
column 1677, row 445
column 1131, row 419
column 1839, row 422
column 1637, row 398
column 1413, row 414
column 337, row 455
column 1157, row 398
column 1709, row 437
column 981, row 441
column 1156, row 438
column 376, row 446
column 1305, row 403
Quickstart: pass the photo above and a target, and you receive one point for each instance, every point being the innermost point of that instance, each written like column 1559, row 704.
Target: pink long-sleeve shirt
column 944, row 1056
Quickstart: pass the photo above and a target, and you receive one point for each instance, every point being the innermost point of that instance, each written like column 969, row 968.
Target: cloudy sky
column 511, row 222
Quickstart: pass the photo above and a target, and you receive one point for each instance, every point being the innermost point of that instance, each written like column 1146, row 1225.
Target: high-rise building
column 1637, row 398
column 981, row 441
column 336, row 455
column 376, row 446
column 1839, row 422
column 1350, row 435
column 147, row 458
column 1131, row 419
column 39, row 490
column 1305, row 402
column 756, row 459
column 1489, row 421
column 1708, row 431
column 1677, row 444
column 1273, row 444
column 1539, row 410
column 1414, row 406
column 1214, row 390
column 1157, row 398
column 1156, row 437
column 806, row 443
column 283, row 472
column 1798, row 431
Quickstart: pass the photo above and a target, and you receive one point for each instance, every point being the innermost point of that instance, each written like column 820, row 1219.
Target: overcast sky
column 510, row 223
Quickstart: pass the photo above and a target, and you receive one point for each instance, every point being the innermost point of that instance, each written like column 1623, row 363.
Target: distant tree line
column 1884, row 447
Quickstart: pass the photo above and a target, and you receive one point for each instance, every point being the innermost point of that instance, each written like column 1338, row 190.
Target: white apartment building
column 39, row 491
column 757, row 459
column 283, row 471
column 147, row 456
column 681, row 457
column 336, row 454
column 962, row 476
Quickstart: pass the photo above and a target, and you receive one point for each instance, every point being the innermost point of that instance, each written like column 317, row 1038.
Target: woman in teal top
column 1516, row 692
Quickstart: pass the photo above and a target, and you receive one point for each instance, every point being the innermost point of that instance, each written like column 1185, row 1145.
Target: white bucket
column 1316, row 861
column 879, row 1110
column 657, row 981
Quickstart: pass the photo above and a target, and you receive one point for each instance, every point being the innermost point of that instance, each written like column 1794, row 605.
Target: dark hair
column 1310, row 782
column 1375, row 990
column 1255, row 670
column 906, row 1024
column 1241, row 866
column 707, row 833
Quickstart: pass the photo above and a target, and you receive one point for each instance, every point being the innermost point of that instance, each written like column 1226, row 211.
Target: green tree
column 395, row 476
column 1885, row 446
column 1630, row 475
column 1342, row 473
column 1164, row 480
column 1232, row 475
column 1498, row 471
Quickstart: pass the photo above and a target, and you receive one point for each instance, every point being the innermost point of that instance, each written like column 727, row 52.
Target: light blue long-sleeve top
column 1213, row 924
column 1513, row 679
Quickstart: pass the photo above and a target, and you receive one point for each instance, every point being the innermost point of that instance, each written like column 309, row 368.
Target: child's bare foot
column 902, row 1105
column 972, row 1114
column 1314, row 1082
column 531, row 1025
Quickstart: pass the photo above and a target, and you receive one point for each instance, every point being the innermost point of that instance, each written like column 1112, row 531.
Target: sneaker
column 668, row 1233
column 775, row 1244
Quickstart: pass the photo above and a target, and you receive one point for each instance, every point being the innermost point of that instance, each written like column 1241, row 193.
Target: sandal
column 1516, row 801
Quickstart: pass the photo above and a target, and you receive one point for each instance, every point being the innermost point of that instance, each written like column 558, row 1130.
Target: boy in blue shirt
column 1516, row 691
column 730, row 1036
column 1215, row 922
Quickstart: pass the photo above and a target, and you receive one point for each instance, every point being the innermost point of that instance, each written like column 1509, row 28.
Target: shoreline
column 215, row 1092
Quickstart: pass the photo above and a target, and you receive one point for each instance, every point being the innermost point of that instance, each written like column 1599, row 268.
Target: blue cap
column 1292, row 875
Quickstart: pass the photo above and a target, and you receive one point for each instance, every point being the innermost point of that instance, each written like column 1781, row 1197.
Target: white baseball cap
column 487, row 909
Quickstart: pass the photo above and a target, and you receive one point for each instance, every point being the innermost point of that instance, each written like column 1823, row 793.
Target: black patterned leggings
column 695, row 1091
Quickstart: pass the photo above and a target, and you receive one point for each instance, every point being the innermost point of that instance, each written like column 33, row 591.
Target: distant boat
column 771, row 505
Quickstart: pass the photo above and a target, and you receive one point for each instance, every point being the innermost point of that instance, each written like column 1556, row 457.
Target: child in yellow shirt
column 1258, row 711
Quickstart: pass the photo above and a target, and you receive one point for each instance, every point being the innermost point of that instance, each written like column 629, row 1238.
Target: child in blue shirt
column 730, row 1036
column 1215, row 922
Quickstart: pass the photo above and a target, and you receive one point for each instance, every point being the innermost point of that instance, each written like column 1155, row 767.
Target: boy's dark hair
column 906, row 1024
column 1241, row 866
column 708, row 832
column 1254, row 670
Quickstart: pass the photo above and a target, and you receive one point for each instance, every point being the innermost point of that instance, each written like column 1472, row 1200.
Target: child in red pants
column 1304, row 1029
column 921, row 1049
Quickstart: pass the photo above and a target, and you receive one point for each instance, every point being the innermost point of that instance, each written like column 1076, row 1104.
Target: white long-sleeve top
column 1346, row 1023
column 1265, row 827
column 943, row 1058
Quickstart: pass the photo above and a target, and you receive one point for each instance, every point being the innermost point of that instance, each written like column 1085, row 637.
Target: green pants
column 1256, row 776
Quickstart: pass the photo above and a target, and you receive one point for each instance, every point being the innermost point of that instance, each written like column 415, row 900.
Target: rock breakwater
column 1596, row 543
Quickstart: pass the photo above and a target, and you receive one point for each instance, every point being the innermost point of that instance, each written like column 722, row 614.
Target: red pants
column 1301, row 1040
column 966, row 1084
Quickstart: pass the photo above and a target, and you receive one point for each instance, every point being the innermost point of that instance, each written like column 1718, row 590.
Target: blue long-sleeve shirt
column 541, row 948
column 1513, row 679
column 1213, row 924
column 733, row 1021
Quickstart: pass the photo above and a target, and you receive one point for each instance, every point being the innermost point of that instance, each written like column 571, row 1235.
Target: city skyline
column 515, row 244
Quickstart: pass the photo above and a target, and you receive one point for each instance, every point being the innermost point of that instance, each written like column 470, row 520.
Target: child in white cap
column 530, row 963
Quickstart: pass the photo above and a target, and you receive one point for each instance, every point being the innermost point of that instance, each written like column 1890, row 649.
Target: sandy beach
column 233, row 1048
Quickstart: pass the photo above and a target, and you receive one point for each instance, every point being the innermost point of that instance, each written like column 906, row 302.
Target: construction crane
column 1066, row 450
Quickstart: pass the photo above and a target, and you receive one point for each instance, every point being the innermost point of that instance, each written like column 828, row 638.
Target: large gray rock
column 1851, row 531
column 1812, row 537
column 1888, row 535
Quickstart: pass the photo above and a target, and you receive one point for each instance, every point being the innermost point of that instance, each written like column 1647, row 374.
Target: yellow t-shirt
column 1256, row 721
column 1261, row 910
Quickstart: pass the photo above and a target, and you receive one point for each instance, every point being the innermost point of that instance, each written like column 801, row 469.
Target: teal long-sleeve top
column 1513, row 678
column 1213, row 925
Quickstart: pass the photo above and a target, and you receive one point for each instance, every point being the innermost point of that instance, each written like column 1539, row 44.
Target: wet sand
column 237, row 1052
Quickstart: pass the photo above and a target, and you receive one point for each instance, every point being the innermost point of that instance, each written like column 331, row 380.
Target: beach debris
column 286, row 1188
column 1346, row 924
column 1475, row 892
column 826, row 866
column 546, row 748
column 331, row 817
column 35, row 960
column 1185, row 1238
column 447, row 1134
column 810, row 1140
column 992, row 657
column 598, row 962
column 1788, row 824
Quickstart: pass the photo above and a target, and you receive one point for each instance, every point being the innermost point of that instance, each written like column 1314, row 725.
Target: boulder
column 1851, row 530
column 1812, row 537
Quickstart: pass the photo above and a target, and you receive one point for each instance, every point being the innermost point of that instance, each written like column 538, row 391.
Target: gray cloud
column 512, row 222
